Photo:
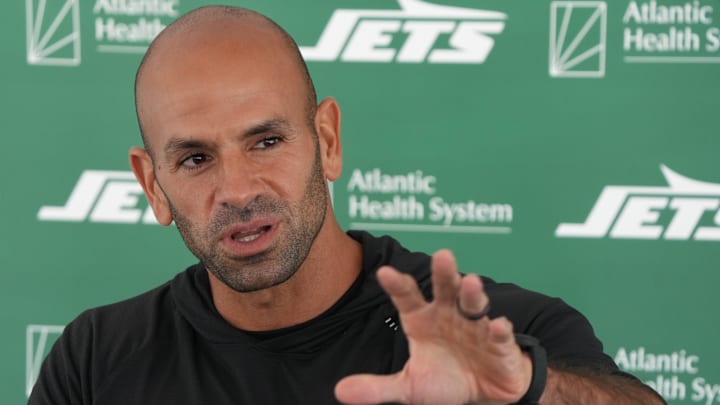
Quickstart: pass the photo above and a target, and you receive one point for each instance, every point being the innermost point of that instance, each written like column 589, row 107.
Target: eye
column 194, row 161
column 268, row 142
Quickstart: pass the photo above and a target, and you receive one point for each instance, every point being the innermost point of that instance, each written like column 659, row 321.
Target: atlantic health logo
column 53, row 32
column 685, row 209
column 578, row 38
column 38, row 342
column 120, row 27
column 685, row 32
column 415, row 202
column 419, row 32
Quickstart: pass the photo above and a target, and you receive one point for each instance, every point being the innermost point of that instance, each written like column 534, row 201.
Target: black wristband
column 539, row 369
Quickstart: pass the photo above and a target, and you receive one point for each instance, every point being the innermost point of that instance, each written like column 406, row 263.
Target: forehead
column 223, row 68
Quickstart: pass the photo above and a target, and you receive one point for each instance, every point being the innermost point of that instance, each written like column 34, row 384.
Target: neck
column 331, row 267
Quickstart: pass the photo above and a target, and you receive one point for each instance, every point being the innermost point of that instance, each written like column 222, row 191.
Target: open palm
column 453, row 360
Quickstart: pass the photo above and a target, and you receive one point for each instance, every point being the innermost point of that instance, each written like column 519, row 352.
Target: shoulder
column 136, row 312
column 113, row 332
column 522, row 306
column 563, row 331
column 386, row 251
column 103, row 339
column 133, row 321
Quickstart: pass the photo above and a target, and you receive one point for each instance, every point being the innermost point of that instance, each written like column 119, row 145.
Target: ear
column 327, row 126
column 142, row 166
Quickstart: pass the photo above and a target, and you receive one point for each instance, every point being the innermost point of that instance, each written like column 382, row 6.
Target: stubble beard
column 303, row 222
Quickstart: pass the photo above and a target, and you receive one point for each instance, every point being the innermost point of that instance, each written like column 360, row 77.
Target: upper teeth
column 248, row 238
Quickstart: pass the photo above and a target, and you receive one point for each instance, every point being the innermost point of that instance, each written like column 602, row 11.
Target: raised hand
column 453, row 359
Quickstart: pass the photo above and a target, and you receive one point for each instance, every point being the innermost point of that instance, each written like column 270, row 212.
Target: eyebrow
column 176, row 144
column 274, row 124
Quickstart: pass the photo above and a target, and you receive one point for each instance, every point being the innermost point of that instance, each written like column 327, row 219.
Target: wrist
column 527, row 374
column 534, row 354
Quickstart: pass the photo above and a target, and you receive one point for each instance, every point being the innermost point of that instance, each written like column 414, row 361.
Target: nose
column 237, row 182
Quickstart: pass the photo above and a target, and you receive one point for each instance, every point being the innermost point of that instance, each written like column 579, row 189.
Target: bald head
column 232, row 36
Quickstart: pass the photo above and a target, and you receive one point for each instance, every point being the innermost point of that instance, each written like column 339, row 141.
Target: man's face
column 236, row 159
column 263, row 243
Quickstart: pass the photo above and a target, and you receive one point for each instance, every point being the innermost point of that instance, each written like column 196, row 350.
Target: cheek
column 191, row 199
column 289, row 177
column 288, row 185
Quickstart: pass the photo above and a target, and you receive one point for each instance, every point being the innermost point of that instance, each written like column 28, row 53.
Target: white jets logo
column 101, row 196
column 634, row 212
column 373, row 35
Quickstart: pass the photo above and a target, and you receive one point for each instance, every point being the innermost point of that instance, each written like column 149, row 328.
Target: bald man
column 285, row 307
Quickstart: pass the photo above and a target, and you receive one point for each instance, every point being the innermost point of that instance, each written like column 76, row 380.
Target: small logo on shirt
column 391, row 323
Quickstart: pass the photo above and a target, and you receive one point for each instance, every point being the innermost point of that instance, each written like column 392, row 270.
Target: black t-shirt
column 170, row 345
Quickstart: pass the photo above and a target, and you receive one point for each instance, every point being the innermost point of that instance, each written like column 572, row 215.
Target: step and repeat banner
column 567, row 146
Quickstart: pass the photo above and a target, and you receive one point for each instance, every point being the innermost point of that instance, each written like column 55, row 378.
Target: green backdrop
column 567, row 146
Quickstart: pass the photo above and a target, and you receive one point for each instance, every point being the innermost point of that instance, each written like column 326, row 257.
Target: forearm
column 571, row 388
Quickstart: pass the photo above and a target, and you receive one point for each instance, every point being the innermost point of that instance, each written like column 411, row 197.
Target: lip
column 264, row 228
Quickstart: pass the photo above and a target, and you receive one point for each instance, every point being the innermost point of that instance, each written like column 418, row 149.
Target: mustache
column 257, row 208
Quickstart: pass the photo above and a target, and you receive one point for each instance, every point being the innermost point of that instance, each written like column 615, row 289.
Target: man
column 285, row 307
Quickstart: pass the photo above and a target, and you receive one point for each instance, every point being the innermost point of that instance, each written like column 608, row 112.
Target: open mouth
column 250, row 235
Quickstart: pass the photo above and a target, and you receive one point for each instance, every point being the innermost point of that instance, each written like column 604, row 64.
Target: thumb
column 366, row 389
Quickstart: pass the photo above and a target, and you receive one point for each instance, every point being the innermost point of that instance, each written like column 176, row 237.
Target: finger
column 472, row 299
column 501, row 331
column 445, row 278
column 401, row 288
column 368, row 389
